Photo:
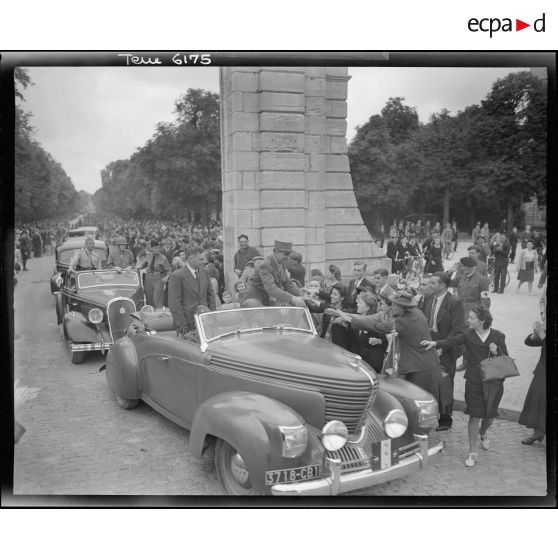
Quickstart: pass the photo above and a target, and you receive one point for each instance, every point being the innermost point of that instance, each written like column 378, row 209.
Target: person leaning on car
column 190, row 287
column 120, row 258
column 86, row 258
column 271, row 284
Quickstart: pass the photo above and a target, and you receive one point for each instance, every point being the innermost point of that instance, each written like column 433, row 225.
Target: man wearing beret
column 244, row 255
column 157, row 275
column 271, row 284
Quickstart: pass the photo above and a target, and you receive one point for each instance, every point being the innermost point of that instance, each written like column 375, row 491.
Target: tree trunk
column 447, row 195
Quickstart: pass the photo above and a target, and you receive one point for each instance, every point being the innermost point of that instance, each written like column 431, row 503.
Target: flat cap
column 279, row 245
column 467, row 262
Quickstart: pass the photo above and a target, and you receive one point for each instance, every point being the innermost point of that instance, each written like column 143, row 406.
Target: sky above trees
column 87, row 117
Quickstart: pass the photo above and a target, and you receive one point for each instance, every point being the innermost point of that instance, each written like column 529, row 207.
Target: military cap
column 120, row 240
column 281, row 246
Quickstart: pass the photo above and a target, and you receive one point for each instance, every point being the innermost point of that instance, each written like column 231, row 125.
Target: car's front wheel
column 126, row 404
column 231, row 470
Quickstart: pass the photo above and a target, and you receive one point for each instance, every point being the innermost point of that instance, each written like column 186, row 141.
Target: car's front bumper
column 336, row 482
column 79, row 347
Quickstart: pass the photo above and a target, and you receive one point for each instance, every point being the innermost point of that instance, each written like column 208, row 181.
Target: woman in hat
column 419, row 366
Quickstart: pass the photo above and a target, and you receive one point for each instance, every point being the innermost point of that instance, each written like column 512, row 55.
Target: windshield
column 108, row 277
column 67, row 255
column 217, row 324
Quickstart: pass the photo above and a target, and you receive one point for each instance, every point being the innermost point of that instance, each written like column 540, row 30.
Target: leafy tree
column 401, row 120
column 42, row 188
column 177, row 170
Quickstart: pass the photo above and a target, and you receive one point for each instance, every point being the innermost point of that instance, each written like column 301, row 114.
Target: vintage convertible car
column 63, row 255
column 285, row 411
column 94, row 308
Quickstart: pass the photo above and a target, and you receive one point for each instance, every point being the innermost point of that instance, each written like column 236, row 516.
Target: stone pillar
column 285, row 167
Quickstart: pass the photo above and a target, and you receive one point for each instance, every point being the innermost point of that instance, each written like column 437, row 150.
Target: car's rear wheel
column 231, row 470
column 127, row 404
column 77, row 357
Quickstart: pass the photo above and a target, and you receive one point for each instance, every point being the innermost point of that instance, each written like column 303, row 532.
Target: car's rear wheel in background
column 124, row 403
column 231, row 470
column 77, row 357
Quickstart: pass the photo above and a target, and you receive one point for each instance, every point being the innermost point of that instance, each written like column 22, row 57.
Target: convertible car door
column 169, row 369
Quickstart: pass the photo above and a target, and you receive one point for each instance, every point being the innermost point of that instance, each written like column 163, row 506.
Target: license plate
column 296, row 474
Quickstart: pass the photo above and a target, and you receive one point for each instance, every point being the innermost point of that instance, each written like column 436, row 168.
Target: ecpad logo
column 493, row 25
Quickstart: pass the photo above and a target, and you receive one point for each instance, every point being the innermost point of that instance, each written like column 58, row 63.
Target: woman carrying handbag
column 481, row 397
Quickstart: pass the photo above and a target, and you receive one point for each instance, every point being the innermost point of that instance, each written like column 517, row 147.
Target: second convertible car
column 286, row 412
column 94, row 308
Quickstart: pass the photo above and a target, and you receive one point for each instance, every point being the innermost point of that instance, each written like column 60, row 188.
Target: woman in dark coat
column 370, row 345
column 332, row 330
column 482, row 398
column 434, row 256
column 533, row 414
column 416, row 364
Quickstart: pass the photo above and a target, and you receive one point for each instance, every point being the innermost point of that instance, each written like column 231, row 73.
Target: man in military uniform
column 157, row 275
column 271, row 284
column 86, row 258
column 120, row 258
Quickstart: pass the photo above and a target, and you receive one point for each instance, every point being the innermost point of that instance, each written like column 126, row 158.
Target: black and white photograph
column 287, row 274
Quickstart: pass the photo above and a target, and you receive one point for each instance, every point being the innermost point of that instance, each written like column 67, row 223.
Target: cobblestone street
column 78, row 441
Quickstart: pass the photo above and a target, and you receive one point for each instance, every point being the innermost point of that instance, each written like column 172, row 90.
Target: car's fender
column 247, row 421
column 406, row 393
column 78, row 329
column 122, row 369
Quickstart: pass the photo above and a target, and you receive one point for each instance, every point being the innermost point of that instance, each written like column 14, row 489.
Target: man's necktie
column 432, row 311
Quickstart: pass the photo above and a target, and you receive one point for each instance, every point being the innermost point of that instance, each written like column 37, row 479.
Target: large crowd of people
column 415, row 329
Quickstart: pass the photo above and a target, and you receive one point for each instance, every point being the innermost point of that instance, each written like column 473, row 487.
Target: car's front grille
column 346, row 400
column 118, row 316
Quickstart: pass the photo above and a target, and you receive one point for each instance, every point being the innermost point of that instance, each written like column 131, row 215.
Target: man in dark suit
column 189, row 287
column 357, row 284
column 446, row 321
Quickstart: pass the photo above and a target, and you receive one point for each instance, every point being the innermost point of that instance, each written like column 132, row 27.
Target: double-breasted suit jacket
column 186, row 293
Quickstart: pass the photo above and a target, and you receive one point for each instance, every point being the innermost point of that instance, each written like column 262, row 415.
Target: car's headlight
column 295, row 439
column 147, row 308
column 59, row 281
column 395, row 424
column 334, row 435
column 95, row 316
column 428, row 411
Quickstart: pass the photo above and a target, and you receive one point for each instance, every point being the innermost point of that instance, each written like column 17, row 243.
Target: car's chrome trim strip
column 78, row 347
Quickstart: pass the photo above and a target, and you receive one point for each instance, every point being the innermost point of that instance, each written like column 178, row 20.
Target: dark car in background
column 285, row 411
column 81, row 232
column 63, row 256
column 94, row 308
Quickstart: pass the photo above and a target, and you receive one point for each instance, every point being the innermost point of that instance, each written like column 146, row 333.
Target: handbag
column 498, row 368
